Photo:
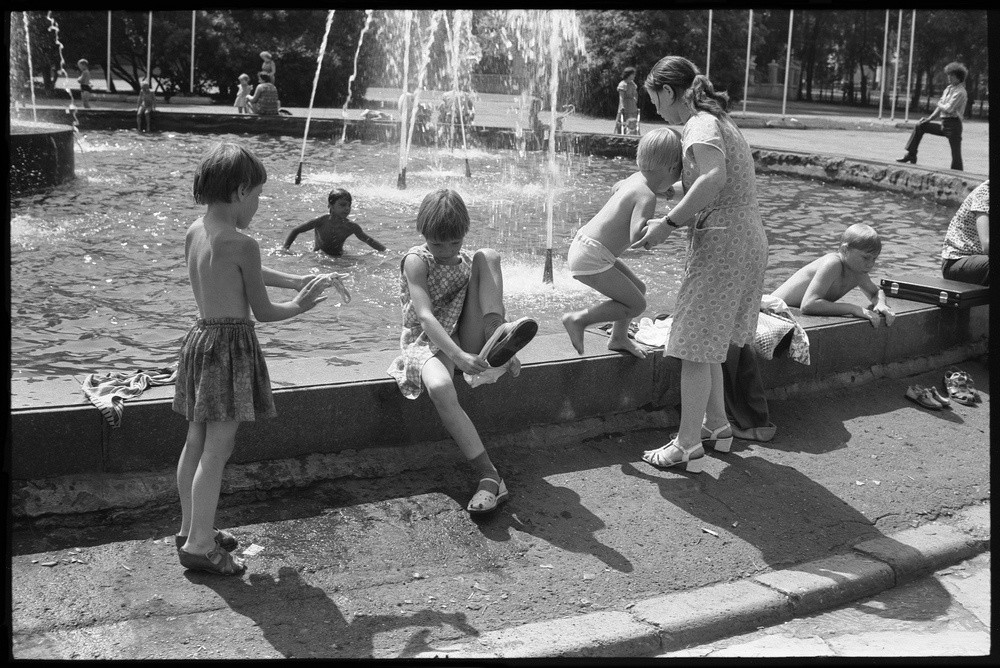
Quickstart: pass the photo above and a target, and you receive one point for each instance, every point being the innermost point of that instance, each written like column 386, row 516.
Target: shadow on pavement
column 575, row 530
column 301, row 621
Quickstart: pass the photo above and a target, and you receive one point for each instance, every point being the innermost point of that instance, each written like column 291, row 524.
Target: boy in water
column 222, row 377
column 332, row 230
column 593, row 255
column 816, row 287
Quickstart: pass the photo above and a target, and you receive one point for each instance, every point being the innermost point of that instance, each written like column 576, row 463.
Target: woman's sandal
column 216, row 561
column 923, row 397
column 673, row 454
column 723, row 444
column 959, row 387
column 223, row 539
column 485, row 501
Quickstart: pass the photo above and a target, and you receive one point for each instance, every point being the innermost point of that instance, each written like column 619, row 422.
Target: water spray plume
column 312, row 96
column 354, row 74
column 404, row 99
column 31, row 71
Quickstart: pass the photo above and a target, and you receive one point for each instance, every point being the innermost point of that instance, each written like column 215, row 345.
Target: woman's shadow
column 788, row 517
column 301, row 621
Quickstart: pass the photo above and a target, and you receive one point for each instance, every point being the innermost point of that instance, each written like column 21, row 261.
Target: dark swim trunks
column 221, row 374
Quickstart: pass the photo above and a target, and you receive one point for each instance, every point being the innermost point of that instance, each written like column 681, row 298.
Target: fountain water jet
column 425, row 57
column 453, row 39
column 404, row 100
column 312, row 96
column 354, row 74
column 31, row 70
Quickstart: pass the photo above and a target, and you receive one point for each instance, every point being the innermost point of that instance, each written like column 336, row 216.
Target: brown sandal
column 216, row 561
column 223, row 539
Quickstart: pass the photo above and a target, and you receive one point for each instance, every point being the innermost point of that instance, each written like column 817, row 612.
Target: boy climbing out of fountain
column 593, row 255
column 222, row 377
column 816, row 287
column 332, row 229
column 145, row 107
column 452, row 303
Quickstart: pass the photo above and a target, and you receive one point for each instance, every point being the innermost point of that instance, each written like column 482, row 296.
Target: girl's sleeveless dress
column 241, row 96
column 446, row 285
column 719, row 298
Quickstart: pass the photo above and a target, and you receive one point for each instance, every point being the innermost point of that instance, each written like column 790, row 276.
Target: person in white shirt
column 950, row 108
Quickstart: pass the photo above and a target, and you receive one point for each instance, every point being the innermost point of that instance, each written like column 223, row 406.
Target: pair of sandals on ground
column 958, row 385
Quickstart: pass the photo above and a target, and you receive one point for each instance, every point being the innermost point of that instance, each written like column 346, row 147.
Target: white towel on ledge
column 108, row 391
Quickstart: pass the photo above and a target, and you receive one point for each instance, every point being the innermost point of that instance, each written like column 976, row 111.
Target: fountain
column 312, row 96
column 354, row 73
column 40, row 154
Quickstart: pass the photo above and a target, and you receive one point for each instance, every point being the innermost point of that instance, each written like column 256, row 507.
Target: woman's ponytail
column 704, row 96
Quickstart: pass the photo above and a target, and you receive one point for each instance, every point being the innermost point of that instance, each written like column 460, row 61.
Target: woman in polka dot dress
column 719, row 297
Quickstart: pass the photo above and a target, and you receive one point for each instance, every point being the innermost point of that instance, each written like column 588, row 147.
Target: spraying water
column 354, row 74
column 425, row 57
column 312, row 96
column 54, row 28
column 404, row 99
column 453, row 38
column 31, row 71
column 551, row 174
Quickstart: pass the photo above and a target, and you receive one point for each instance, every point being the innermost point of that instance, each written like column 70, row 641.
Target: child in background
column 332, row 230
column 145, row 107
column 242, row 93
column 453, row 303
column 268, row 64
column 593, row 255
column 222, row 377
column 84, row 81
column 816, row 287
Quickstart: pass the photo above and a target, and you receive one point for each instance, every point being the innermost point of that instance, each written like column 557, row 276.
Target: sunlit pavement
column 945, row 614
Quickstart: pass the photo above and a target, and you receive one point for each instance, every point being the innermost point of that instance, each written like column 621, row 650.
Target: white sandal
column 720, row 444
column 673, row 454
column 484, row 501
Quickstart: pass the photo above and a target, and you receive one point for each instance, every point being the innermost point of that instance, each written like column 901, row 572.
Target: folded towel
column 654, row 332
column 108, row 391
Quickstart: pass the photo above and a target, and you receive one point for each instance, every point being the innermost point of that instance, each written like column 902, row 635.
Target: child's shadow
column 555, row 515
column 300, row 620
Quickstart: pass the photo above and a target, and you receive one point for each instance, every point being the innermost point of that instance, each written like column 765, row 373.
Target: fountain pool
column 98, row 281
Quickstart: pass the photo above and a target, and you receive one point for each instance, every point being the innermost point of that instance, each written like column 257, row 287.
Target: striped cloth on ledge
column 108, row 391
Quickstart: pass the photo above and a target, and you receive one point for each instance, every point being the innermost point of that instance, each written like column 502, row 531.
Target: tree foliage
column 835, row 47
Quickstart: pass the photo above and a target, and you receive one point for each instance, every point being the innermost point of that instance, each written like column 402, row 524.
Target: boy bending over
column 593, row 255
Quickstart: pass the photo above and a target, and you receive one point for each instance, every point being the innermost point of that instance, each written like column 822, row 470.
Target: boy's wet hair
column 443, row 216
column 225, row 168
column 660, row 148
column 336, row 194
column 861, row 237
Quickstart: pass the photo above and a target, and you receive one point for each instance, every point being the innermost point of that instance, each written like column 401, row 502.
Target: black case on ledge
column 936, row 290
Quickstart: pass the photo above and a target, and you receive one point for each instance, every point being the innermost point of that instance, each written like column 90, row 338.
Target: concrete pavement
column 596, row 553
column 945, row 614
